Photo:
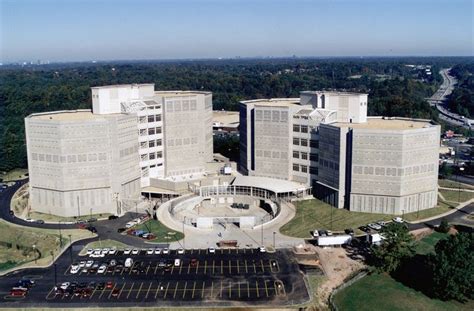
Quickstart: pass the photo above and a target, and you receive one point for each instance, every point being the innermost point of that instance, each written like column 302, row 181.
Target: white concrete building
column 82, row 163
column 175, row 128
column 325, row 139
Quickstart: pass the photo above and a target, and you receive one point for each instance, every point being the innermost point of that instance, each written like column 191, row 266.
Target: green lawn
column 381, row 292
column 426, row 245
column 453, row 184
column 163, row 233
column 314, row 214
column 442, row 207
column 456, row 196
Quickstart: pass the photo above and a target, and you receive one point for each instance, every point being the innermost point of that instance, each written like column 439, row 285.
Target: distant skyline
column 86, row 30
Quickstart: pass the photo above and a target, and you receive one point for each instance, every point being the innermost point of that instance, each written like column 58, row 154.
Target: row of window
column 150, row 131
column 304, row 156
column 69, row 158
column 304, row 169
column 300, row 128
column 153, row 143
column 178, row 105
column 152, row 156
column 304, row 142
column 151, row 118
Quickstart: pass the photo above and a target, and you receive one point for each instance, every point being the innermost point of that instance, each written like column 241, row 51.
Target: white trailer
column 375, row 238
column 334, row 240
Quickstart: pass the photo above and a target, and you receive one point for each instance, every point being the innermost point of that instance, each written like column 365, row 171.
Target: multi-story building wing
column 326, row 140
column 81, row 163
column 175, row 127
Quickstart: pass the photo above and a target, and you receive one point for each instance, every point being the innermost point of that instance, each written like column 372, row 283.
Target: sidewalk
column 460, row 206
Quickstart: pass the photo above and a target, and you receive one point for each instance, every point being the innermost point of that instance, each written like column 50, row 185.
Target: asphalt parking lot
column 228, row 277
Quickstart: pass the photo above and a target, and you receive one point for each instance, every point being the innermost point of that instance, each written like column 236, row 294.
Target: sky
column 83, row 30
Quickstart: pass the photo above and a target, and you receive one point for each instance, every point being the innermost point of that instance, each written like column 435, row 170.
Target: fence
column 350, row 280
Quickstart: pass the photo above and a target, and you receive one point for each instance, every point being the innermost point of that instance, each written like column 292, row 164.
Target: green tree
column 396, row 248
column 453, row 267
column 444, row 226
column 445, row 170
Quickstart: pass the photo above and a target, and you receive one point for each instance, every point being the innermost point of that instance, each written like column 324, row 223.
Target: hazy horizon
column 124, row 30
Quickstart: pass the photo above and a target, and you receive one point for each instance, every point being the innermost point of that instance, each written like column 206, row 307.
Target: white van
column 128, row 262
column 177, row 262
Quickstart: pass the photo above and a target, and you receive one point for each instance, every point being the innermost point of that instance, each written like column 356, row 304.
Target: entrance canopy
column 275, row 185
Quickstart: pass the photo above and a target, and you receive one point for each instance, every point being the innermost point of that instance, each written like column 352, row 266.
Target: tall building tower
column 81, row 163
column 325, row 140
column 175, row 127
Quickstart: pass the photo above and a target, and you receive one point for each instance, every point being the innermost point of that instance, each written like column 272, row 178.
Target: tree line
column 394, row 89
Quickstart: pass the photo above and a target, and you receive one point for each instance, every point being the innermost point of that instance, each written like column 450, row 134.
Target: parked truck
column 334, row 240
column 375, row 238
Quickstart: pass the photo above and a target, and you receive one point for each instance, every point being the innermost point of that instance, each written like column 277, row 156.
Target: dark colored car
column 92, row 220
column 86, row 292
column 100, row 285
column 92, row 229
column 91, row 285
column 194, row 262
column 115, row 292
column 120, row 230
column 109, row 285
column 349, row 231
column 26, row 283
column 12, row 213
column 111, row 217
column 39, row 221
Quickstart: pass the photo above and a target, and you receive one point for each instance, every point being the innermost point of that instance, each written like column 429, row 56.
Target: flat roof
column 66, row 115
column 226, row 117
column 387, row 124
column 122, row 85
column 272, row 184
column 180, row 93
column 338, row 93
column 279, row 102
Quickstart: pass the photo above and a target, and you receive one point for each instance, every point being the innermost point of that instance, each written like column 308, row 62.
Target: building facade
column 326, row 140
column 81, row 163
column 175, row 128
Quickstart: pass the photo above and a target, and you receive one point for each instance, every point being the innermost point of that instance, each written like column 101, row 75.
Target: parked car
column 112, row 251
column 89, row 263
column 74, row 268
column 177, row 262
column 100, row 286
column 82, row 264
column 157, row 251
column 109, row 285
column 39, row 221
column 166, row 250
column 26, row 283
column 92, row 229
column 150, row 251
column 382, row 223
column 111, row 217
column 30, row 220
column 135, row 251
column 180, row 251
column 315, row 233
column 102, row 269
column 120, row 230
column 17, row 292
column 64, row 285
column 92, row 220
column 127, row 251
column 374, row 226
column 193, row 262
column 398, row 220
column 328, row 232
column 212, row 250
column 262, row 249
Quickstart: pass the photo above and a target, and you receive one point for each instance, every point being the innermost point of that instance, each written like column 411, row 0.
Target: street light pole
column 78, row 208
column 274, row 245
column 60, row 236
column 34, row 252
column 184, row 235
column 70, row 247
column 459, row 185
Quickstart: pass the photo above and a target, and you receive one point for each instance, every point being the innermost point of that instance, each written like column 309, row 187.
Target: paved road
column 106, row 229
column 438, row 99
column 458, row 217
column 243, row 277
